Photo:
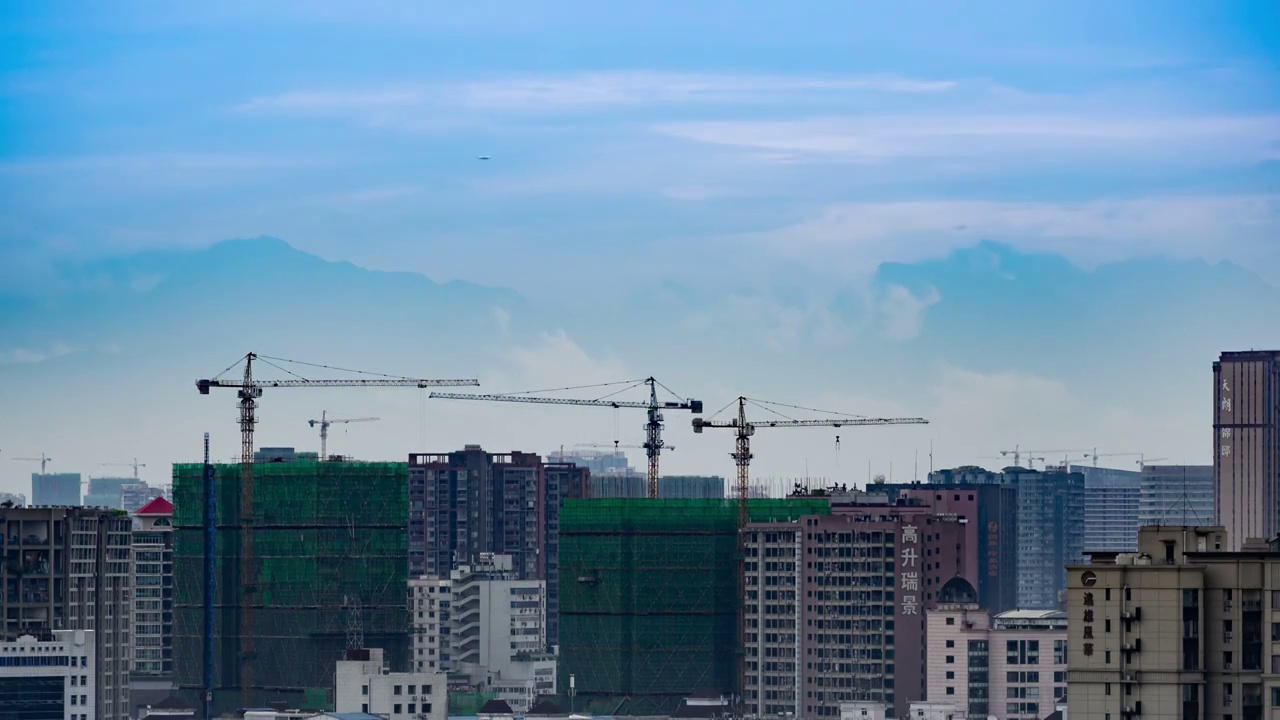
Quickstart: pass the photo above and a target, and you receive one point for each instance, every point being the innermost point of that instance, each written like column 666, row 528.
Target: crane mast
column 248, row 391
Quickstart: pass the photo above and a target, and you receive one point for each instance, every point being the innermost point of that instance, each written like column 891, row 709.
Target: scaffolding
column 327, row 537
column 649, row 597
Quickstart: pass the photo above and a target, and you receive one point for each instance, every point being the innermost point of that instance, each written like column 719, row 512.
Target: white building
column 49, row 678
column 863, row 711
column 498, row 631
column 429, row 607
column 363, row 685
column 1012, row 666
column 936, row 711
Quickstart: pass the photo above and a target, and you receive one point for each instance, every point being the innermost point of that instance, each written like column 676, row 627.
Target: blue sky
column 751, row 158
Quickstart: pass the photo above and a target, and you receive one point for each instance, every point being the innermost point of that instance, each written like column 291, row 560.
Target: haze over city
column 1034, row 226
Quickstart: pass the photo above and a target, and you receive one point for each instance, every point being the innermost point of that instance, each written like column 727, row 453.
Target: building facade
column 468, row 503
column 430, row 606
column 53, row 678
column 1050, row 526
column 362, row 684
column 1176, row 495
column 1182, row 628
column 1111, row 507
column 55, row 489
column 990, row 512
column 1246, row 439
column 13, row 499
column 153, row 589
column 107, row 492
column 1010, row 666
column 135, row 496
column 498, row 631
column 835, row 606
column 69, row 568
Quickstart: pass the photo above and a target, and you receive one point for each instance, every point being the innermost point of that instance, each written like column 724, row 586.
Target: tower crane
column 324, row 422
column 653, row 444
column 135, row 465
column 741, row 455
column 1141, row 461
column 745, row 429
column 44, row 461
column 248, row 390
column 1017, row 452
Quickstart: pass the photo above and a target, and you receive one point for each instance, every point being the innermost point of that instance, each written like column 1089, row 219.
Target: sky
column 780, row 200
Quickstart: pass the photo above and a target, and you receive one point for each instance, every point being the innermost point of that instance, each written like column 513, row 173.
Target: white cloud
column 583, row 91
column 902, row 313
column 27, row 356
column 502, row 318
column 879, row 138
column 861, row 235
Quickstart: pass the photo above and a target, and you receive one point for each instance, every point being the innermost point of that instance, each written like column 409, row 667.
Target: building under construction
column 328, row 569
column 649, row 598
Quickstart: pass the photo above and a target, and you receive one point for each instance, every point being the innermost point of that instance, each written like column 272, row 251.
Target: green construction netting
column 649, row 594
column 327, row 537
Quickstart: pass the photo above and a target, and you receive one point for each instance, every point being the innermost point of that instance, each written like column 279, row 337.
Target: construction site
column 324, row 570
column 649, row 598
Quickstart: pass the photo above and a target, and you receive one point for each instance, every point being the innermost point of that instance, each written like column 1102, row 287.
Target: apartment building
column 51, row 677
column 362, row 684
column 153, row 589
column 1111, row 507
column 498, row 631
column 1176, row 495
column 1009, row 666
column 69, row 568
column 1246, row 442
column 835, row 606
column 1183, row 628
column 429, row 613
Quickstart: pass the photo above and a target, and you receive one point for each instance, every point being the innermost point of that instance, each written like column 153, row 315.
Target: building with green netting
column 328, row 562
column 649, row 598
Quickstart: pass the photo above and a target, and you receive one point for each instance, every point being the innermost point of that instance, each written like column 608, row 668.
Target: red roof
column 159, row 506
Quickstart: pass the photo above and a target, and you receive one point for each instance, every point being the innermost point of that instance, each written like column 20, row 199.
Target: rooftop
column 159, row 506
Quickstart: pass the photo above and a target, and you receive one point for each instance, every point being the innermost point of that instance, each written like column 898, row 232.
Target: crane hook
column 837, row 451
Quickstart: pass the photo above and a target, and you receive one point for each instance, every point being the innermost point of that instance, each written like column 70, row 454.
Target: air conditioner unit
column 1134, row 614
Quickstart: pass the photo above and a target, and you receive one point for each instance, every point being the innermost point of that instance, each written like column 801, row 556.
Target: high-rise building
column 1005, row 665
column 1182, row 628
column 1176, row 495
column 1051, row 522
column 363, row 685
column 649, row 601
column 991, row 529
column 467, row 503
column 136, row 495
column 68, row 568
column 1246, row 442
column 430, row 608
column 498, row 626
column 107, row 492
column 50, row 676
column 597, row 462
column 1111, row 500
column 13, row 499
column 835, row 606
column 311, row 561
column 55, row 489
column 153, row 589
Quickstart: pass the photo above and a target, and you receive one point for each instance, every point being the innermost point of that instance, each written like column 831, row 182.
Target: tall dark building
column 470, row 501
column 55, row 489
column 68, row 568
column 991, row 529
column 1246, row 442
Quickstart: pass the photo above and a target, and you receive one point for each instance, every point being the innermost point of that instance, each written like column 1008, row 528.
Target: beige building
column 1010, row 666
column 1246, row 440
column 1184, row 628
column 429, row 607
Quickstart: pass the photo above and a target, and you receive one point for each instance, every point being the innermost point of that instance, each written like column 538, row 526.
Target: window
column 951, row 659
column 1275, row 697
column 951, row 621
column 951, row 675
column 364, row 690
column 396, row 708
column 951, row 690
column 951, row 643
column 397, row 690
column 413, row 708
column 413, row 690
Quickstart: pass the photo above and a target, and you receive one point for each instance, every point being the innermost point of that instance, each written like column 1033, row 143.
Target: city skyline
column 968, row 217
